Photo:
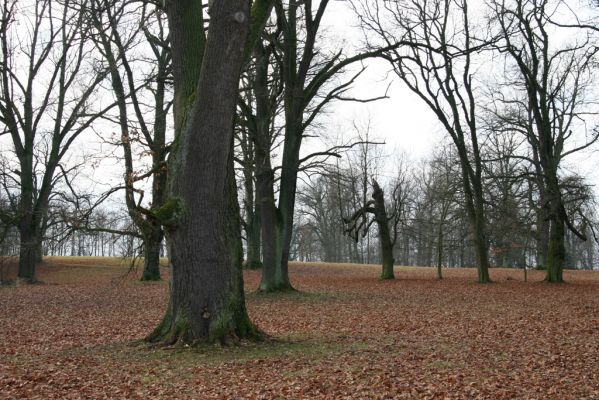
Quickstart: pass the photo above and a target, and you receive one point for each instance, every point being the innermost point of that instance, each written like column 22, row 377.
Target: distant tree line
column 432, row 227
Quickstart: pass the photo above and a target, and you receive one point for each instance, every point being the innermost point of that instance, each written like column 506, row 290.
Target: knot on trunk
column 239, row 17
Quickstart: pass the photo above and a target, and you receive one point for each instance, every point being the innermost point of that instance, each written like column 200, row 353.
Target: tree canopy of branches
column 437, row 61
column 554, row 79
column 116, row 37
column 48, row 83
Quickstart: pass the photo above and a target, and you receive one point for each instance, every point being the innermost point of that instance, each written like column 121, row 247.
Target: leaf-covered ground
column 345, row 335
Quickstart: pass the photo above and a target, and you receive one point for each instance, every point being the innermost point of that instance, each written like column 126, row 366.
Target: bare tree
column 441, row 188
column 308, row 74
column 356, row 226
column 44, row 99
column 554, row 79
column 141, row 124
column 259, row 106
column 509, row 179
column 437, row 61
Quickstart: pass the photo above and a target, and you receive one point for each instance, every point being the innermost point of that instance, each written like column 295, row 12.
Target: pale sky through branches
column 403, row 121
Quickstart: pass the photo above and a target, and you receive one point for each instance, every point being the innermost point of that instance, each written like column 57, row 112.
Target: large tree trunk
column 269, row 215
column 27, row 254
column 556, row 254
column 542, row 220
column 475, row 211
column 284, row 231
column 272, row 232
column 279, row 281
column 542, row 240
column 28, row 237
column 481, row 249
column 206, row 299
column 39, row 252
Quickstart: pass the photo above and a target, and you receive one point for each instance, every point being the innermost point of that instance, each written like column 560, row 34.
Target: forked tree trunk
column 207, row 301
column 273, row 278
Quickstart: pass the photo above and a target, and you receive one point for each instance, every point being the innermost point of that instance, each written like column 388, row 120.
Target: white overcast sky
column 402, row 119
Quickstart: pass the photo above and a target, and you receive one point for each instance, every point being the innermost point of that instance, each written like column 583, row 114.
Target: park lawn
column 345, row 334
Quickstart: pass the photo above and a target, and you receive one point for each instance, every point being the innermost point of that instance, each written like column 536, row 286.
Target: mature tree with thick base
column 207, row 302
column 307, row 75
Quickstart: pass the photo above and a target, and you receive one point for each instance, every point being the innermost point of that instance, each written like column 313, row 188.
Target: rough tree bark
column 207, row 302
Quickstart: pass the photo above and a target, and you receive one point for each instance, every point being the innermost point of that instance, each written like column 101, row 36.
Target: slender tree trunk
column 268, row 214
column 284, row 233
column 152, row 245
column 253, row 241
column 380, row 215
column 440, row 251
column 252, row 209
